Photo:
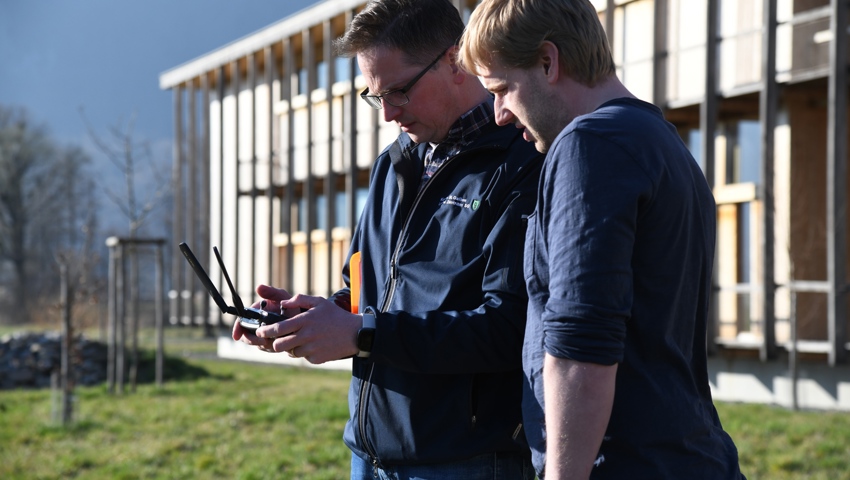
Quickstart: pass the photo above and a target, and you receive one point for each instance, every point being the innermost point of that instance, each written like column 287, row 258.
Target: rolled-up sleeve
column 591, row 197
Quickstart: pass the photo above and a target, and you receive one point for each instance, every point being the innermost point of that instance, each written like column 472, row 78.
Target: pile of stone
column 30, row 359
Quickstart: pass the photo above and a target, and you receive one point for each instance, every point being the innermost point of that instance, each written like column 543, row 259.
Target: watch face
column 365, row 337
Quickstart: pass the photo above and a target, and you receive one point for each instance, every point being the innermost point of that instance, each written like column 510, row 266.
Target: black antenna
column 250, row 318
column 205, row 279
column 237, row 302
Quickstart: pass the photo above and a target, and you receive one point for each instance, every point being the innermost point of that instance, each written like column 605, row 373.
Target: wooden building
column 273, row 149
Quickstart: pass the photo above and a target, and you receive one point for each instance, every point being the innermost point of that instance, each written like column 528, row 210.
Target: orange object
column 354, row 274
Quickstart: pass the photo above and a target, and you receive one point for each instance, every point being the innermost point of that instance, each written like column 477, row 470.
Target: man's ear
column 549, row 61
column 458, row 73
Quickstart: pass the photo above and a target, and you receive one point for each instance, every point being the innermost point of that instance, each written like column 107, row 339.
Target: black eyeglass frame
column 374, row 101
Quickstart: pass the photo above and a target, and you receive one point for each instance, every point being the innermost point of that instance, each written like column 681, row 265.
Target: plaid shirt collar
column 463, row 132
column 468, row 127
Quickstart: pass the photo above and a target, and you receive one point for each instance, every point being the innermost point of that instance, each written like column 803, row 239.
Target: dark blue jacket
column 443, row 269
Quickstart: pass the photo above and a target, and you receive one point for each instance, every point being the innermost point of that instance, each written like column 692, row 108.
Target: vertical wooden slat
column 837, row 184
column 610, row 6
column 767, row 119
column 707, row 127
column 461, row 6
column 121, row 317
column 350, row 128
column 269, row 77
column 222, row 79
column 330, row 184
column 177, row 192
column 659, row 56
column 309, row 66
column 191, row 198
column 203, row 239
column 236, row 80
column 159, row 290
column 112, row 305
column 289, row 71
column 252, row 83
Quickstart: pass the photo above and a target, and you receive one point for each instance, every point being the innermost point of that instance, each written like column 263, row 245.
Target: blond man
column 618, row 255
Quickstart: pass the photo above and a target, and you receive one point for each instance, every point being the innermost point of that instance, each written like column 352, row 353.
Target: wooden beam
column 288, row 72
column 177, row 192
column 308, row 63
column 236, row 83
column 203, row 239
column 837, row 184
column 222, row 79
column 252, row 83
column 659, row 56
column 330, row 190
column 768, row 100
column 191, row 217
column 254, row 42
column 269, row 65
column 707, row 128
column 350, row 128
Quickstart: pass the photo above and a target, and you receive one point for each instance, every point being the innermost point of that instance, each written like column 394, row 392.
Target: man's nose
column 503, row 115
column 391, row 112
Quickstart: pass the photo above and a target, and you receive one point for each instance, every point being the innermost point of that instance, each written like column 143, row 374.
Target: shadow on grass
column 173, row 369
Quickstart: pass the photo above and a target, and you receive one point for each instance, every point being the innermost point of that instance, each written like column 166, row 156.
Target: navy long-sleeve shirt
column 618, row 263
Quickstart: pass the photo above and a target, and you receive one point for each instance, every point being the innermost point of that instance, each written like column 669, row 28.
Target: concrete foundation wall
column 819, row 386
column 229, row 349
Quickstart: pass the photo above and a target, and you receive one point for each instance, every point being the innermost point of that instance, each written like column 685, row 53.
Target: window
column 738, row 145
column 693, row 140
column 633, row 48
column 743, row 159
column 320, row 212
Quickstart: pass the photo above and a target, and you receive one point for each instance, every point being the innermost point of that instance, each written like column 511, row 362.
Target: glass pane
column 321, row 211
column 693, row 140
column 748, row 152
column 339, row 209
column 302, row 81
column 341, row 66
column 692, row 15
column 322, row 74
column 638, row 39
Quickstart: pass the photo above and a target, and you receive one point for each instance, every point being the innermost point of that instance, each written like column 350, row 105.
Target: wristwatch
column 366, row 334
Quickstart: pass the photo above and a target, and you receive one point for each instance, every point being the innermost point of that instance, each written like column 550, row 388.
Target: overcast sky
column 106, row 56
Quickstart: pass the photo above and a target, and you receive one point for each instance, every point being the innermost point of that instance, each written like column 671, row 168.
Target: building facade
column 273, row 149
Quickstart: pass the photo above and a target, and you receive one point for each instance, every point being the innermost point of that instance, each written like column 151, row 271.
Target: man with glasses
column 437, row 379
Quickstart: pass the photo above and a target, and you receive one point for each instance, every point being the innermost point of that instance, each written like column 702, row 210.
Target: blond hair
column 511, row 32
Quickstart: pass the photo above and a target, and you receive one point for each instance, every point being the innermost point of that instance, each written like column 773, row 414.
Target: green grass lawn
column 225, row 419
column 777, row 443
column 221, row 420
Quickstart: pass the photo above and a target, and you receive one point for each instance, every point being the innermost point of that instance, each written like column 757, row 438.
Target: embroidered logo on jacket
column 461, row 202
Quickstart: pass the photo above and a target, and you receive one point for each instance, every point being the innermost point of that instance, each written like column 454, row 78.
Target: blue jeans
column 490, row 466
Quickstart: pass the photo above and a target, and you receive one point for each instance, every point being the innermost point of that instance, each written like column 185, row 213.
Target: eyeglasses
column 398, row 97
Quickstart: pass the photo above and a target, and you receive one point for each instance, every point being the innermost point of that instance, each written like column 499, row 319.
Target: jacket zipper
column 407, row 219
column 367, row 383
